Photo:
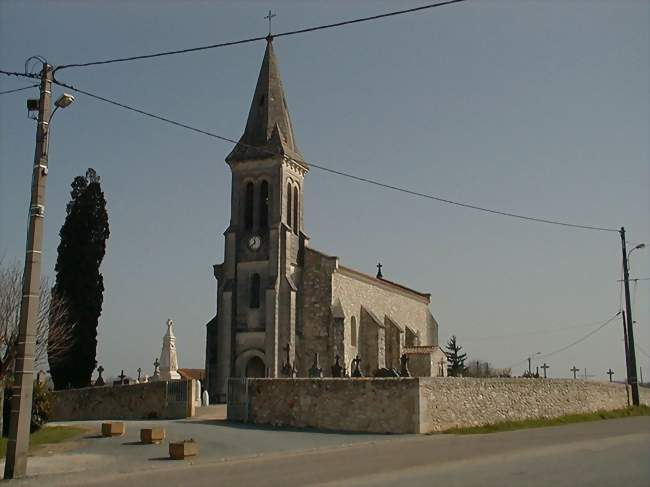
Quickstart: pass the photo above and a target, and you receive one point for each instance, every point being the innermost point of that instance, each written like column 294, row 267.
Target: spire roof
column 268, row 129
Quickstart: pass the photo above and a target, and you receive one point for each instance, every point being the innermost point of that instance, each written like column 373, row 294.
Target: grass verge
column 542, row 422
column 47, row 435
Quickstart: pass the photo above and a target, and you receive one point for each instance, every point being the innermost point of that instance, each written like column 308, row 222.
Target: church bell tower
column 258, row 284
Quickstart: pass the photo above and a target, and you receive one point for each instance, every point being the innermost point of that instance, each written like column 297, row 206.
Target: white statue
column 168, row 357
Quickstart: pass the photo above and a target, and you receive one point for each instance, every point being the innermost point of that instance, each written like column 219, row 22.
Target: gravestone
column 316, row 371
column 404, row 366
column 356, row 369
column 100, row 379
column 337, row 370
column 205, row 398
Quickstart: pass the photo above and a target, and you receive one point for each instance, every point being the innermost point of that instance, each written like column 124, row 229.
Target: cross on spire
column 544, row 367
column 270, row 17
column 574, row 370
column 610, row 373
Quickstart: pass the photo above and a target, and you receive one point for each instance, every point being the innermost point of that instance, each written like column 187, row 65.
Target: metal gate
column 237, row 399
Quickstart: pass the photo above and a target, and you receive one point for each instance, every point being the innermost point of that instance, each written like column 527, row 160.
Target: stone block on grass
column 152, row 435
column 180, row 450
column 113, row 429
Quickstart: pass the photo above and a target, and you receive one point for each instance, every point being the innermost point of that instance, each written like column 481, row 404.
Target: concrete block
column 152, row 435
column 180, row 450
column 113, row 429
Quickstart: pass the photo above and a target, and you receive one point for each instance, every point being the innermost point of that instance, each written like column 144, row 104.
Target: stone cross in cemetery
column 404, row 366
column 122, row 380
column 289, row 369
column 156, row 370
column 139, row 375
column 168, row 356
column 610, row 373
column 356, row 370
column 316, row 371
column 337, row 370
column 379, row 274
column 575, row 371
column 544, row 367
column 100, row 379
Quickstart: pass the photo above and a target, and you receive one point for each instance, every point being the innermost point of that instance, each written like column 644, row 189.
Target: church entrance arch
column 251, row 364
column 255, row 368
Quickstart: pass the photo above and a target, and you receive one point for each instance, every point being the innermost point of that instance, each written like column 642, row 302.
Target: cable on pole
column 22, row 75
column 255, row 39
column 340, row 173
column 570, row 345
column 19, row 89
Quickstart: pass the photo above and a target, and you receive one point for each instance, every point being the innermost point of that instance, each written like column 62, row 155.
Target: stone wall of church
column 326, row 284
column 313, row 330
column 404, row 309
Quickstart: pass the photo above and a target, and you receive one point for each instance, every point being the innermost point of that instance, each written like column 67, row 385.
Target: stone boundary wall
column 371, row 405
column 152, row 400
column 421, row 405
column 455, row 402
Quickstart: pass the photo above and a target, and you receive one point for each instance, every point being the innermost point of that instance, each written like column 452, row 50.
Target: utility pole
column 21, row 400
column 627, row 350
column 630, row 323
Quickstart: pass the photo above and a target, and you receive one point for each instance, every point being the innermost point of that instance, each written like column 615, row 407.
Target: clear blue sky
column 537, row 107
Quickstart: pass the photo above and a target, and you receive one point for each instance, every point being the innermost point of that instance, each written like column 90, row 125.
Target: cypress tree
column 456, row 360
column 78, row 280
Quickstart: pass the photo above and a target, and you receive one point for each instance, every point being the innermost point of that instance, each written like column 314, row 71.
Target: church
column 279, row 301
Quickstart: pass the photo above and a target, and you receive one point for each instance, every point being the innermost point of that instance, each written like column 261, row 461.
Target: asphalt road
column 604, row 453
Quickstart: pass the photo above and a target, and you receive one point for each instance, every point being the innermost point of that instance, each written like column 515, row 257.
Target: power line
column 255, row 39
column 18, row 89
column 570, row 345
column 339, row 173
column 22, row 75
column 545, row 331
column 580, row 340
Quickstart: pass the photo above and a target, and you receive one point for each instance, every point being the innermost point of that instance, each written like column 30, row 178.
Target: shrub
column 41, row 407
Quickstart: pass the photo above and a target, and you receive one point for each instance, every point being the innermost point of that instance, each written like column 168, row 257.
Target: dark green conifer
column 78, row 280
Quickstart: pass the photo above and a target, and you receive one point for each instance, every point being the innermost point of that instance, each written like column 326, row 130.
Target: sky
column 534, row 107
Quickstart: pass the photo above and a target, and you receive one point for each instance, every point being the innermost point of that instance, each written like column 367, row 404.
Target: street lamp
column 21, row 401
column 64, row 101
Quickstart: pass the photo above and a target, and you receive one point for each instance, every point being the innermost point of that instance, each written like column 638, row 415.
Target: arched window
column 353, row 331
column 254, row 296
column 289, row 204
column 248, row 208
column 264, row 205
column 295, row 210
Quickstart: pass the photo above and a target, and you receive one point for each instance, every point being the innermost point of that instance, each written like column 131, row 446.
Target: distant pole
column 544, row 367
column 21, row 400
column 641, row 374
column 630, row 323
column 610, row 373
column 574, row 370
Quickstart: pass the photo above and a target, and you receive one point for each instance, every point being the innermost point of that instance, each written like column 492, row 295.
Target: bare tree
column 54, row 336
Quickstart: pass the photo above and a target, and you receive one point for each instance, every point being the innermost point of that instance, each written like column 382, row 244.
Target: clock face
column 255, row 242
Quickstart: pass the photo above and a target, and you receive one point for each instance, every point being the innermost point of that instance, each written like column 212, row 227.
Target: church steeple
column 268, row 129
